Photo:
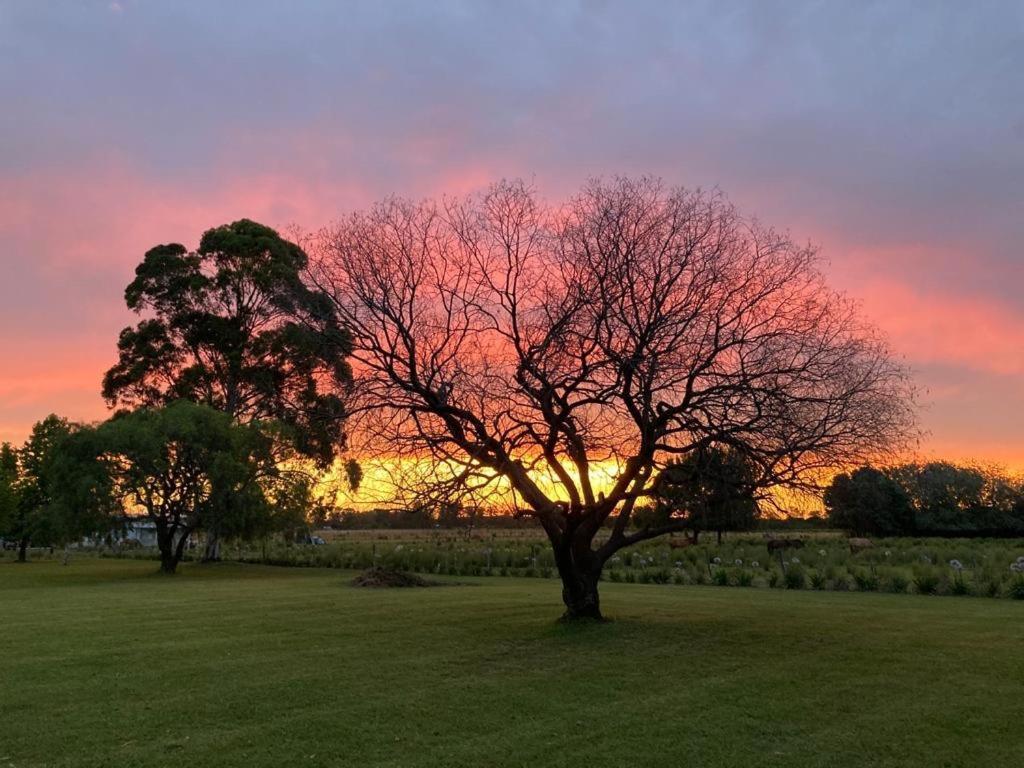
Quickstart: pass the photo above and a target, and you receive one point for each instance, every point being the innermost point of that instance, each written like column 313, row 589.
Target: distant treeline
column 419, row 519
column 452, row 518
column 932, row 499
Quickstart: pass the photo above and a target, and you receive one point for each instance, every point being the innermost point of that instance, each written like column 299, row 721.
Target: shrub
column 959, row 586
column 866, row 581
column 926, row 583
column 818, row 580
column 660, row 576
column 1016, row 590
column 897, row 583
column 795, row 578
column 720, row 578
column 840, row 582
column 745, row 579
column 774, row 578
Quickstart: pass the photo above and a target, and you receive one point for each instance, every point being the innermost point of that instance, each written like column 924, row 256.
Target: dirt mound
column 387, row 577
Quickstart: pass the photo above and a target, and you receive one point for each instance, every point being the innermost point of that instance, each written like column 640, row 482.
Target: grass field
column 104, row 663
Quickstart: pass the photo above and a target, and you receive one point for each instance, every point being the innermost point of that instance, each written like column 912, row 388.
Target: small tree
column 36, row 518
column 232, row 326
column 869, row 502
column 8, row 488
column 183, row 467
column 713, row 488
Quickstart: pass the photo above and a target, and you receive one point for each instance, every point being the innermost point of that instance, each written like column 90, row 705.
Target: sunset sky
column 889, row 134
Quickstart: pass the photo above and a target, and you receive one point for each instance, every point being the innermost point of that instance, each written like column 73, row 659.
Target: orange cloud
column 944, row 328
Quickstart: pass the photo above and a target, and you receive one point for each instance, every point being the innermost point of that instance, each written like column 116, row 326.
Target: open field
column 104, row 663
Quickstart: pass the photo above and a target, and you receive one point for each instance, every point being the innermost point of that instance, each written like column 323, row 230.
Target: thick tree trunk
column 580, row 595
column 168, row 552
column 580, row 571
column 23, row 550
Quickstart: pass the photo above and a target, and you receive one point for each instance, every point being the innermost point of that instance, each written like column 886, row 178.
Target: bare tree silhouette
column 498, row 339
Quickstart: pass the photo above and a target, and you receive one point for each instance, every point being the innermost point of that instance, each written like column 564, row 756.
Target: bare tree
column 499, row 341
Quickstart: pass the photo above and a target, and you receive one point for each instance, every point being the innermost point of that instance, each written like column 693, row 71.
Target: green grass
column 103, row 663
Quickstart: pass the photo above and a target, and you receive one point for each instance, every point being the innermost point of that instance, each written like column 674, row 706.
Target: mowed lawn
column 104, row 663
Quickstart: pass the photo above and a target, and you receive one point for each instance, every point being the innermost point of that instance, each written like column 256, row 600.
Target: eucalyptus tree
column 507, row 347
column 232, row 325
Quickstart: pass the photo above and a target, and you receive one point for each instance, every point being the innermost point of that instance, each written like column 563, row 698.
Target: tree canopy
column 869, row 502
column 713, row 488
column 183, row 466
column 32, row 508
column 233, row 326
column 935, row 498
column 8, row 488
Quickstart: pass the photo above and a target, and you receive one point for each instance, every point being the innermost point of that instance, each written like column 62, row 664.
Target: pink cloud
column 943, row 328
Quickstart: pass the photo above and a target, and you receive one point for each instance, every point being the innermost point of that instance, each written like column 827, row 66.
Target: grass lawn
column 104, row 663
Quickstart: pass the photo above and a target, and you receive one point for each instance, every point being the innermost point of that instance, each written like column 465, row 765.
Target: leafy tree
column 232, row 326
column 869, row 502
column 1016, row 516
column 713, row 488
column 8, row 487
column 185, row 467
column 36, row 518
column 955, row 499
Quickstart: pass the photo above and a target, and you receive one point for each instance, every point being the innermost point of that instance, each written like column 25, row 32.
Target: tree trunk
column 211, row 554
column 580, row 595
column 580, row 571
column 165, row 543
column 23, row 550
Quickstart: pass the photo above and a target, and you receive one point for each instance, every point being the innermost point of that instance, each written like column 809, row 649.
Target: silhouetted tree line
column 421, row 518
column 931, row 499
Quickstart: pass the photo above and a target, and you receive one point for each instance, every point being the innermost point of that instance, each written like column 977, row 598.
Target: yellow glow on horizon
column 383, row 480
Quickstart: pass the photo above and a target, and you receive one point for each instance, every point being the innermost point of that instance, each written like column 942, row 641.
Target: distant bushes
column 933, row 499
